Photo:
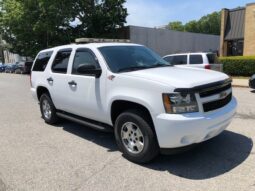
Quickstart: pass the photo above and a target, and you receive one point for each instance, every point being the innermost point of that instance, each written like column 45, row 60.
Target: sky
column 154, row 13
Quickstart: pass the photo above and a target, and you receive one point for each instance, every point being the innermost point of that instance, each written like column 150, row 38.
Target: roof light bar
column 98, row 40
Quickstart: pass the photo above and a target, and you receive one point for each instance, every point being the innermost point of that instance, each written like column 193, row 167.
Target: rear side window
column 42, row 61
column 212, row 58
column 60, row 63
column 179, row 60
column 196, row 59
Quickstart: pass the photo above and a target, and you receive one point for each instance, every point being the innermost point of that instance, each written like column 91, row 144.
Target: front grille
column 214, row 90
column 210, row 106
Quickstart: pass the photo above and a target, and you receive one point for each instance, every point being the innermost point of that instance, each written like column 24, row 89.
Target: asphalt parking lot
column 37, row 156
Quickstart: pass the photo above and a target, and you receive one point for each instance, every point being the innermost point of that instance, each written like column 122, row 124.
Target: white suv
column 205, row 60
column 150, row 105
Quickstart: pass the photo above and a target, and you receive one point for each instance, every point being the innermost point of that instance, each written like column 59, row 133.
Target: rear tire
column 48, row 109
column 135, row 137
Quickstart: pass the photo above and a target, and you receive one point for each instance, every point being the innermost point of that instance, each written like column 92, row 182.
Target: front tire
column 135, row 137
column 48, row 109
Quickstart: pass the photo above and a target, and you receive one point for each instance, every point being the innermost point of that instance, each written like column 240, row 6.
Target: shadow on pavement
column 103, row 139
column 210, row 159
column 252, row 91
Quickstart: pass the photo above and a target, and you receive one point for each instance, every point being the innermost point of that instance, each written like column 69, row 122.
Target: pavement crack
column 98, row 171
column 249, row 116
column 2, row 185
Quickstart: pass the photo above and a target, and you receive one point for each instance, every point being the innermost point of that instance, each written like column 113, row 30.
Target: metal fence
column 166, row 41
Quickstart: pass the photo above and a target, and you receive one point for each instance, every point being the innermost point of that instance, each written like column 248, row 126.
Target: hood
column 179, row 77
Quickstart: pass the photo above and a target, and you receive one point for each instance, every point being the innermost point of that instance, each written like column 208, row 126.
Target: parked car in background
column 252, row 82
column 2, row 67
column 24, row 67
column 10, row 68
column 19, row 67
column 27, row 67
column 206, row 60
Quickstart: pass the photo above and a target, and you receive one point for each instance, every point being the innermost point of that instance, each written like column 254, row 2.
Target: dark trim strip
column 205, row 87
column 84, row 121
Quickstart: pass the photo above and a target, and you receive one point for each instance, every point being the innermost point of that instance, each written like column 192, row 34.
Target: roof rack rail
column 98, row 40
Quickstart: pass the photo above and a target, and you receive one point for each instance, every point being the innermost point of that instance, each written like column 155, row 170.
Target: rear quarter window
column 42, row 61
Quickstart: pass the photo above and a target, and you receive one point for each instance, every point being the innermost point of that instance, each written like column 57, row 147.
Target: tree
column 209, row 24
column 192, row 26
column 31, row 25
column 176, row 25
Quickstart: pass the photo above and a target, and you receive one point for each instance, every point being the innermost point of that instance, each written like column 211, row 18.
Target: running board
column 87, row 122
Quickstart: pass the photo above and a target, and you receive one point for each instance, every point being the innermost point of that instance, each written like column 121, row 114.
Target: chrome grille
column 223, row 94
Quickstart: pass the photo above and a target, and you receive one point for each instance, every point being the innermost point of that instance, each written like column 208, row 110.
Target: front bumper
column 175, row 131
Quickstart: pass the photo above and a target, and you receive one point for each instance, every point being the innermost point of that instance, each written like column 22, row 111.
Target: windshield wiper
column 160, row 65
column 133, row 68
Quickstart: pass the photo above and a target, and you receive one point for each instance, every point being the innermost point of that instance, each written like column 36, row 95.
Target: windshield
column 130, row 58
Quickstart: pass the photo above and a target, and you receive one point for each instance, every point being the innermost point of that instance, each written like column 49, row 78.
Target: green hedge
column 238, row 65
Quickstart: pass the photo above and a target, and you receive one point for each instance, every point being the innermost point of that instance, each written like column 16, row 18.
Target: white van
column 206, row 60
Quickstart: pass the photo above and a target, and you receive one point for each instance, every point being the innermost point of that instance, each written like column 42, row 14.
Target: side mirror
column 89, row 70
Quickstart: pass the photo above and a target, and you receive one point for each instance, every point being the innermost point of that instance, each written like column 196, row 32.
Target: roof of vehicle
column 90, row 45
column 190, row 53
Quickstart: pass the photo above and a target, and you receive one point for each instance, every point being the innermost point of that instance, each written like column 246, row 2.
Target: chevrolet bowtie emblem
column 223, row 95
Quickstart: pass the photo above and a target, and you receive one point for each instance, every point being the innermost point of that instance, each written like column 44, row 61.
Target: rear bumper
column 252, row 83
column 175, row 131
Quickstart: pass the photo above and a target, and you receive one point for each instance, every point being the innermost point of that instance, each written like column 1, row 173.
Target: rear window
column 212, row 58
column 196, row 59
column 42, row 61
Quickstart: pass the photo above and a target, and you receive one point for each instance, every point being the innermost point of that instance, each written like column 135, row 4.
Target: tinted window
column 83, row 56
column 60, row 63
column 169, row 59
column 212, row 58
column 196, row 59
column 130, row 58
column 179, row 60
column 42, row 61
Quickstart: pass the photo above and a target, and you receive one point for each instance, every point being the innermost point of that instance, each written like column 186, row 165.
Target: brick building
column 238, row 31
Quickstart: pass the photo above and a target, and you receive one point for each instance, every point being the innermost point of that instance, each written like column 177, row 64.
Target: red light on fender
column 207, row 66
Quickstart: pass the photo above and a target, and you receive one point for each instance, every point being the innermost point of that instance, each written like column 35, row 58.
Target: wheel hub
column 46, row 109
column 132, row 137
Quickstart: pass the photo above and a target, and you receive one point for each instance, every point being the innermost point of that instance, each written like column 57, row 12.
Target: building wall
column 12, row 58
column 223, row 44
column 249, row 34
column 166, row 41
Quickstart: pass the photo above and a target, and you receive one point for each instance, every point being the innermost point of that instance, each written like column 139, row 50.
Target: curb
column 240, row 86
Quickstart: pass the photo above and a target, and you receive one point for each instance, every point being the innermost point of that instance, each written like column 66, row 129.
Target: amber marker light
column 167, row 103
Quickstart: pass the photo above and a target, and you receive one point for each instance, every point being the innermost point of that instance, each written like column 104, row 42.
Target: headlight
column 180, row 103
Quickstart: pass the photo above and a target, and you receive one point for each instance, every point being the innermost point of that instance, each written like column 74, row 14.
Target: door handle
column 50, row 80
column 72, row 83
